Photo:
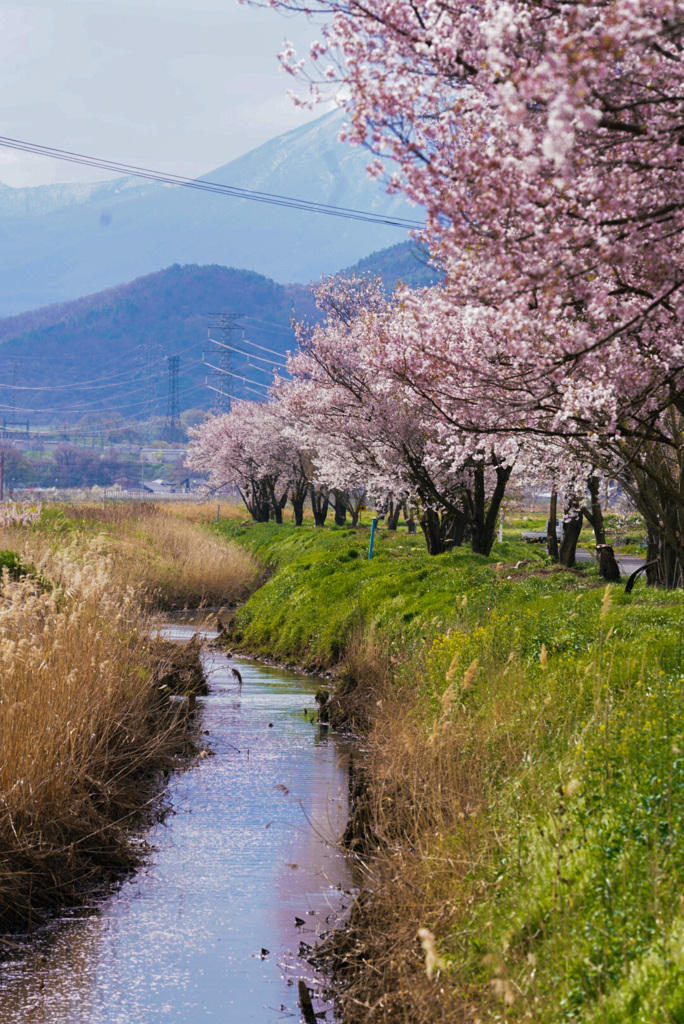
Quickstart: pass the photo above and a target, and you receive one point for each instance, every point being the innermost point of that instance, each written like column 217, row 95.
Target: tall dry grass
column 418, row 834
column 412, row 788
column 86, row 721
column 168, row 555
column 177, row 564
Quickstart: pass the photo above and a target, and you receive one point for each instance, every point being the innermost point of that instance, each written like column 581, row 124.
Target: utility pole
column 14, row 393
column 173, row 430
column 221, row 362
column 151, row 390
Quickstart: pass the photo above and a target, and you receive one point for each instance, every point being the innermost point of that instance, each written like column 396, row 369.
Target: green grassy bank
column 324, row 588
column 522, row 785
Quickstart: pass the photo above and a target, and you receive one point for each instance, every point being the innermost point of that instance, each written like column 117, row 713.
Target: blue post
column 373, row 525
column 218, row 509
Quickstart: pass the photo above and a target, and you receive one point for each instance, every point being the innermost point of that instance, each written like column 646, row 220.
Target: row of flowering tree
column 380, row 407
column 545, row 143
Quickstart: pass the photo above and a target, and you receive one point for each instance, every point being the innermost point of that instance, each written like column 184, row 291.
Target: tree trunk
column 319, row 505
column 456, row 530
column 393, row 513
column 669, row 574
column 661, row 512
column 572, row 527
column 551, row 535
column 596, row 519
column 432, row 528
column 608, row 568
column 263, row 503
column 652, row 553
column 340, row 509
column 483, row 520
column 298, row 498
column 277, row 504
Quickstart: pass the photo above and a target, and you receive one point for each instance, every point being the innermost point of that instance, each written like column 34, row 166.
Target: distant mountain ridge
column 107, row 352
column 61, row 242
column 42, row 199
column 405, row 262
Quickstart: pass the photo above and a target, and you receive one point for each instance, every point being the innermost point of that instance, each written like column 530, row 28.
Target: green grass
column 573, row 911
column 14, row 564
column 324, row 586
column 588, row 861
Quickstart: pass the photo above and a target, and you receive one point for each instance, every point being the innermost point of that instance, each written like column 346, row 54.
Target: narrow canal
column 242, row 871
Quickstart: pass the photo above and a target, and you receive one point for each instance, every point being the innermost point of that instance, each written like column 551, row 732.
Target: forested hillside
column 406, row 262
column 108, row 351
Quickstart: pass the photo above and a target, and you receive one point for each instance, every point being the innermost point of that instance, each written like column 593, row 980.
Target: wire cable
column 262, row 348
column 249, row 355
column 274, row 327
column 229, row 373
column 203, row 184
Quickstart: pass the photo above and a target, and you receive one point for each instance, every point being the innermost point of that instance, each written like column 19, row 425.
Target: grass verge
column 519, row 806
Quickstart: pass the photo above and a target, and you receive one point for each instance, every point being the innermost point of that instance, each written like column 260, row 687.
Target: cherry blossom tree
column 252, row 449
column 374, row 427
column 544, row 143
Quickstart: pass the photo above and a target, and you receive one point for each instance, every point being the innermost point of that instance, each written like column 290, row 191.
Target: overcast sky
column 177, row 85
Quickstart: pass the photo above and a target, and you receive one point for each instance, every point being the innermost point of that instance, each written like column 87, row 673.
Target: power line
column 237, row 376
column 250, row 355
column 271, row 198
column 141, row 384
column 262, row 348
column 84, row 387
column 76, row 428
column 274, row 327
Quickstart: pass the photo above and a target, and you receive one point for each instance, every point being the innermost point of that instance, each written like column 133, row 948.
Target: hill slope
column 107, row 351
column 58, row 243
column 405, row 262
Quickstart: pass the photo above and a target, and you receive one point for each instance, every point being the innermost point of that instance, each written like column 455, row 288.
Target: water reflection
column 239, row 864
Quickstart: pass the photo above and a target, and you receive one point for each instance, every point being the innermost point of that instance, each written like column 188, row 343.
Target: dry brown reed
column 86, row 715
column 417, row 834
column 83, row 727
column 172, row 560
column 178, row 564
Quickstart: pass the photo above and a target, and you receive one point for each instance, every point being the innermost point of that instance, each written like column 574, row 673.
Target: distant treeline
column 72, row 466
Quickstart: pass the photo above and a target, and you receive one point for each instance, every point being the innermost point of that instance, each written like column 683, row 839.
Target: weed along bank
column 517, row 800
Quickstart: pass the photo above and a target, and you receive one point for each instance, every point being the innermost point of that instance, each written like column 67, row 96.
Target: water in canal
column 243, row 870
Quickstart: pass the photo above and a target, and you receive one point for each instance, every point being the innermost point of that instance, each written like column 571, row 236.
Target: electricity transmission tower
column 173, row 430
column 220, row 380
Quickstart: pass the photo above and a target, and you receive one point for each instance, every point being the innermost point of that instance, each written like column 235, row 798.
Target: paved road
column 628, row 563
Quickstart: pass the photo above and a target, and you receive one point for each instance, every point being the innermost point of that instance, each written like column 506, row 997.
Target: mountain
column 42, row 199
column 61, row 242
column 108, row 352
column 405, row 262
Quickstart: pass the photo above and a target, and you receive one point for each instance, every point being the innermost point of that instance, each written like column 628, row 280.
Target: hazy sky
column 177, row 85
